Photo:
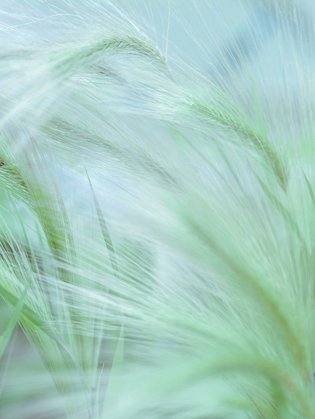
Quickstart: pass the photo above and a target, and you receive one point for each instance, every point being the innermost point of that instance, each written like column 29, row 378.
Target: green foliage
column 162, row 261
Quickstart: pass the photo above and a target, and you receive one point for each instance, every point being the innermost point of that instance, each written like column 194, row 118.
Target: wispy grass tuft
column 157, row 214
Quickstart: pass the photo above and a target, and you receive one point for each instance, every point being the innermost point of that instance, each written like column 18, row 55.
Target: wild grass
column 157, row 222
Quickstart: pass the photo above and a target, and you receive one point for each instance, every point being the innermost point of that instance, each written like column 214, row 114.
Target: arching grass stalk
column 244, row 130
column 85, row 56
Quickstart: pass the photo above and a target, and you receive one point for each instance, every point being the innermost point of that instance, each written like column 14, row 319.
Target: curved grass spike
column 244, row 130
column 112, row 46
